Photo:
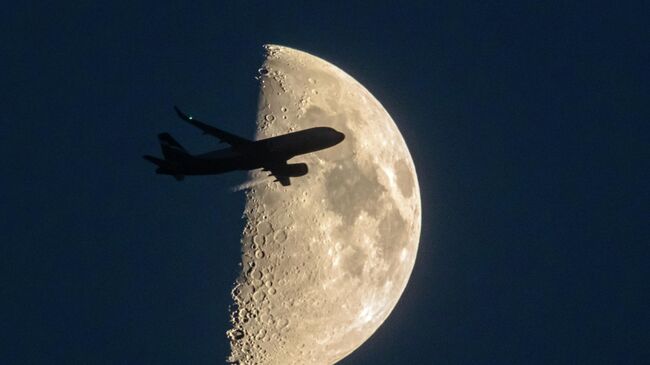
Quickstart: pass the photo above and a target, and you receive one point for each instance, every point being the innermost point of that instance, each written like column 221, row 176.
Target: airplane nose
column 341, row 136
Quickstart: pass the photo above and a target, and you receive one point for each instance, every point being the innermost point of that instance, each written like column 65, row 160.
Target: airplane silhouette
column 269, row 154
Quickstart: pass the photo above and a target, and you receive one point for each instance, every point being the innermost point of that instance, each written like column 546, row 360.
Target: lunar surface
column 325, row 260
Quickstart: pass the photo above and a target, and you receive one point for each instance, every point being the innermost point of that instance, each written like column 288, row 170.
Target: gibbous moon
column 325, row 260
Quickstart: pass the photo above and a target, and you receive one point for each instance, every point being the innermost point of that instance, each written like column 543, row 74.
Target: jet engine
column 291, row 170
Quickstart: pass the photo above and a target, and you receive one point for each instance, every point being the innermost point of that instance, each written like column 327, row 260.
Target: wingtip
column 181, row 114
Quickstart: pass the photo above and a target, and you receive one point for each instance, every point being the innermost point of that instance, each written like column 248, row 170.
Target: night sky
column 528, row 125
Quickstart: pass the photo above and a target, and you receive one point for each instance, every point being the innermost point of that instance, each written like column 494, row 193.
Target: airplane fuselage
column 258, row 154
column 270, row 154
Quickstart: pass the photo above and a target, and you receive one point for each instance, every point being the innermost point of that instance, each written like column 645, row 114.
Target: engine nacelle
column 292, row 170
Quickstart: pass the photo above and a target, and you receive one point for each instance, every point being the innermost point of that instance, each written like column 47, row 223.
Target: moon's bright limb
column 326, row 259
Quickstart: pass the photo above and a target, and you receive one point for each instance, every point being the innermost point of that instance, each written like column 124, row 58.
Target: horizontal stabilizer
column 156, row 161
column 164, row 167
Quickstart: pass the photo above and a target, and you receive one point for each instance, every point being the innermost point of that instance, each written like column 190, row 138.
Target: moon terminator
column 325, row 260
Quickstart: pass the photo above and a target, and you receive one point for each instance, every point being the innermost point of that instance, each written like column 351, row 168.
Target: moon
column 326, row 259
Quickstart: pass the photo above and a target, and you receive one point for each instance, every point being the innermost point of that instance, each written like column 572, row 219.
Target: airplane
column 269, row 154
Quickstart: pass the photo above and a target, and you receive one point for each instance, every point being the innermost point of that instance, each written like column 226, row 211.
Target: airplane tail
column 156, row 161
column 174, row 155
column 164, row 167
column 172, row 150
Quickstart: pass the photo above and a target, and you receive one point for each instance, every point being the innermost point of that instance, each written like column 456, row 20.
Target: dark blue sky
column 528, row 125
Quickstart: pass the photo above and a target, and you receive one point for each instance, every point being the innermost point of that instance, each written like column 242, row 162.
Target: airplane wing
column 223, row 136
